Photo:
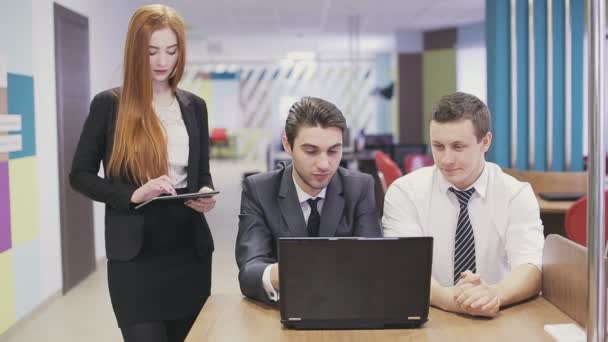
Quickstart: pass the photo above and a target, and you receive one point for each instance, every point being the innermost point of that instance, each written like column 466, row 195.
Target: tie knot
column 313, row 202
column 463, row 196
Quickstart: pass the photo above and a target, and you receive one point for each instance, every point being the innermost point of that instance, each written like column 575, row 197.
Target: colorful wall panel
column 19, row 225
column 535, row 83
column 438, row 70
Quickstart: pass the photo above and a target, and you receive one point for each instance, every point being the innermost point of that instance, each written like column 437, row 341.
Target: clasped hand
column 475, row 297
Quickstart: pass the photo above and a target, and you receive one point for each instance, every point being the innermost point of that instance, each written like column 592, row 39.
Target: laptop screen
column 327, row 278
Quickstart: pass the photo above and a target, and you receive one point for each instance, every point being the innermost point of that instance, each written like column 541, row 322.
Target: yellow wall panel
column 23, row 183
column 7, row 291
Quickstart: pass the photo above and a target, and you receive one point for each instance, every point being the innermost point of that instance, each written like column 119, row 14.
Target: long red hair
column 139, row 152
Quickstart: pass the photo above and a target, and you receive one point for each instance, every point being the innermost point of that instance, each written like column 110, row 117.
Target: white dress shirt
column 303, row 198
column 503, row 212
column 178, row 146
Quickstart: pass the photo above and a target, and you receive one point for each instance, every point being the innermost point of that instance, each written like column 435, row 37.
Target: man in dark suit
column 312, row 196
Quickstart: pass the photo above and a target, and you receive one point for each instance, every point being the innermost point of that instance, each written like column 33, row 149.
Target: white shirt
column 503, row 211
column 178, row 146
column 303, row 198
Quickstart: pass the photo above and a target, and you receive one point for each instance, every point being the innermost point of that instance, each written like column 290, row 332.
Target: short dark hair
column 462, row 106
column 312, row 112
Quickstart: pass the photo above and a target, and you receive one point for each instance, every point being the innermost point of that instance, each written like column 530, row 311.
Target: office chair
column 400, row 150
column 219, row 136
column 575, row 222
column 412, row 162
column 220, row 142
column 387, row 169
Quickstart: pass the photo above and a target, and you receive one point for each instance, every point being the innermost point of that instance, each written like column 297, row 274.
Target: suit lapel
column 188, row 114
column 333, row 206
column 290, row 206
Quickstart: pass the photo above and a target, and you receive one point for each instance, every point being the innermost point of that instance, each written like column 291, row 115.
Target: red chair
column 219, row 136
column 575, row 222
column 388, row 169
column 412, row 162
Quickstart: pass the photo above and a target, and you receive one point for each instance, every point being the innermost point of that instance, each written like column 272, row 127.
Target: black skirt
column 167, row 280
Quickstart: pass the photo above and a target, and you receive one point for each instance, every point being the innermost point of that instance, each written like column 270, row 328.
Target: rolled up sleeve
column 524, row 235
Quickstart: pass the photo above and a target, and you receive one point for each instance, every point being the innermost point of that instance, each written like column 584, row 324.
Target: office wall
column 204, row 47
column 409, row 86
column 471, row 60
column 30, row 270
column 20, row 238
column 384, row 65
column 107, row 25
column 435, row 63
column 251, row 99
column 535, row 83
column 438, row 70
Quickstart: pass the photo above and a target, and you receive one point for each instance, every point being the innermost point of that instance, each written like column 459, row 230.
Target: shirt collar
column 480, row 185
column 302, row 195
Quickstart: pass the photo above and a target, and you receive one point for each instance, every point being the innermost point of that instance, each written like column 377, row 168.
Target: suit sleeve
column 90, row 151
column 204, row 174
column 254, row 245
column 367, row 223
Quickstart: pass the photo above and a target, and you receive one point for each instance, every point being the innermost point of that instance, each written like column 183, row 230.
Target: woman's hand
column 153, row 188
column 202, row 205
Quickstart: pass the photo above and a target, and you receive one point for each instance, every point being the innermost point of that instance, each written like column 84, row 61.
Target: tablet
column 192, row 195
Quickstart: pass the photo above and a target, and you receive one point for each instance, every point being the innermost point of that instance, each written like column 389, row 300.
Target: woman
column 153, row 139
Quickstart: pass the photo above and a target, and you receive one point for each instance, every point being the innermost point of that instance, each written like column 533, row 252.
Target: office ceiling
column 325, row 16
column 287, row 20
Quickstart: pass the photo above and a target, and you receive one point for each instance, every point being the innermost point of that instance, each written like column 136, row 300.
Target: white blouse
column 177, row 142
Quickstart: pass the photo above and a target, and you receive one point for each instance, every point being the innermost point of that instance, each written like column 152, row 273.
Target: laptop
column 561, row 196
column 355, row 283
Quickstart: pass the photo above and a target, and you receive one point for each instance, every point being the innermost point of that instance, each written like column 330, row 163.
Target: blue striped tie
column 464, row 246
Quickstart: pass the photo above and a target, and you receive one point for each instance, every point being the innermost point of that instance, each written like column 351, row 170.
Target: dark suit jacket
column 124, row 226
column 270, row 209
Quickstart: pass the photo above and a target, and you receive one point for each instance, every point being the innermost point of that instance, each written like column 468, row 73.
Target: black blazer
column 270, row 209
column 124, row 226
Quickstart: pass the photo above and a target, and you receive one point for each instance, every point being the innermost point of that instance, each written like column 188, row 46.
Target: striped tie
column 464, row 246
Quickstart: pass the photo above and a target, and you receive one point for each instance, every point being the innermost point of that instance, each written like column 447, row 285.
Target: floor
column 85, row 313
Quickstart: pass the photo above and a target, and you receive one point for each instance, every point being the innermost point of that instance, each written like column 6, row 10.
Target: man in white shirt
column 486, row 227
column 312, row 196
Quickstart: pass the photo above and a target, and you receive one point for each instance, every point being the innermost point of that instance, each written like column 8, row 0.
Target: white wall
column 409, row 41
column 471, row 73
column 266, row 48
column 107, row 25
column 46, row 137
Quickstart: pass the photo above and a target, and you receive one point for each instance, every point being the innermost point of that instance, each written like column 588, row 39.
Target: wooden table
column 554, row 207
column 230, row 317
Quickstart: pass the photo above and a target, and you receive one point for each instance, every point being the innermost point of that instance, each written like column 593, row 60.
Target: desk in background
column 230, row 317
column 554, row 207
column 552, row 213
